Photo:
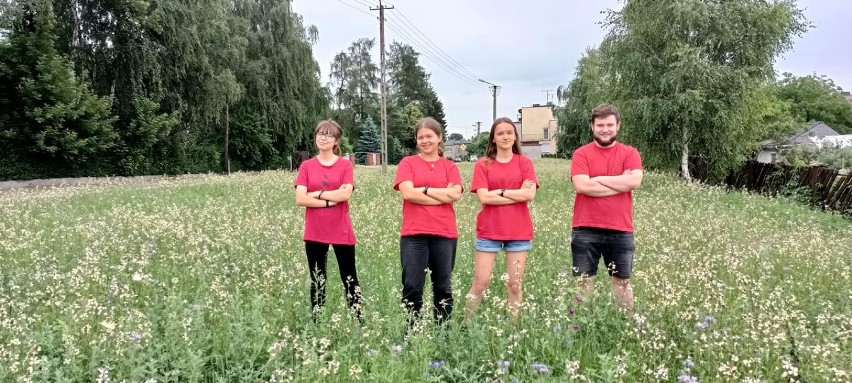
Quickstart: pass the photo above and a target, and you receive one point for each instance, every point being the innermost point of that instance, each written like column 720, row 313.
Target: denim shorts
column 490, row 246
column 588, row 245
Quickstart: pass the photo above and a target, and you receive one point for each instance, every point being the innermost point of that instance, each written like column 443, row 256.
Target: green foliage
column 395, row 151
column 583, row 93
column 478, row 145
column 50, row 123
column 835, row 158
column 176, row 78
column 816, row 98
column 370, row 141
column 683, row 72
column 455, row 137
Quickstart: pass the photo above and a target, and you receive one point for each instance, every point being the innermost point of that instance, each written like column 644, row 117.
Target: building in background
column 537, row 128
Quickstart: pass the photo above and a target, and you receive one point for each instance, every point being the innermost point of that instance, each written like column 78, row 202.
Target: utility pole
column 494, row 91
column 478, row 125
column 381, row 10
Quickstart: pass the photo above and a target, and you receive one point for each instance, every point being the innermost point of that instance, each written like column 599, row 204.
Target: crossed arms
column 510, row 196
column 432, row 196
column 318, row 198
column 604, row 186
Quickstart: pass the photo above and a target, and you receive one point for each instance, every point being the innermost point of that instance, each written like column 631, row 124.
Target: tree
column 683, row 72
column 370, row 142
column 353, row 83
column 587, row 90
column 478, row 145
column 409, row 84
column 52, row 125
column 456, row 137
column 816, row 98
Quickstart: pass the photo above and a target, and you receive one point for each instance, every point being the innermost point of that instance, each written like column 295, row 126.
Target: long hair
column 331, row 126
column 491, row 149
column 435, row 126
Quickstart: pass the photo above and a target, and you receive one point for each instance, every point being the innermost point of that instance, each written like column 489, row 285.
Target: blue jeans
column 438, row 254
column 616, row 247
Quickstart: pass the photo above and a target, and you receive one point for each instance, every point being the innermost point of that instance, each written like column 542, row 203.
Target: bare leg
column 623, row 293
column 516, row 263
column 483, row 265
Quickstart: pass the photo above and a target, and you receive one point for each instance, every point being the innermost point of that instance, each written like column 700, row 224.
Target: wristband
column 426, row 190
column 320, row 194
column 326, row 203
column 502, row 191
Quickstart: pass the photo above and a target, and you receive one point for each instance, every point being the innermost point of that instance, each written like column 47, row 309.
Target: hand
column 331, row 203
column 315, row 194
column 528, row 184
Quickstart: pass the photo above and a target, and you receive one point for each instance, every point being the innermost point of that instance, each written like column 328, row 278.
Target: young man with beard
column 604, row 173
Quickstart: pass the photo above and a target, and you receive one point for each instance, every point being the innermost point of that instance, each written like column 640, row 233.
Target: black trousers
column 317, row 258
column 438, row 254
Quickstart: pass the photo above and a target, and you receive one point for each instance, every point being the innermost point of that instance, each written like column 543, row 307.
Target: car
column 473, row 158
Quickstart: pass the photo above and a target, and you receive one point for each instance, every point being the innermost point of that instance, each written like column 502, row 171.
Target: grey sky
column 528, row 48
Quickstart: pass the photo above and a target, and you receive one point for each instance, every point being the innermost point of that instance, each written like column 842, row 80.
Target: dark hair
column 491, row 149
column 336, row 131
column 433, row 125
column 604, row 111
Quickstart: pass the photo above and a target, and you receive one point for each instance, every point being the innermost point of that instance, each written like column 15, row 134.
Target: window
column 546, row 134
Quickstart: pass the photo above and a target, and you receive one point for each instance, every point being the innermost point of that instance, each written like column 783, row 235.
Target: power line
column 356, row 8
column 437, row 60
column 437, row 48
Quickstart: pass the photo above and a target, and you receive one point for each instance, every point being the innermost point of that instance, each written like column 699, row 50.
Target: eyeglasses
column 328, row 136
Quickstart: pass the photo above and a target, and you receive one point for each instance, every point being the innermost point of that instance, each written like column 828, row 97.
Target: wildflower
column 540, row 368
column 686, row 378
column 571, row 310
column 503, row 366
column 397, row 349
column 372, row 352
column 688, row 364
column 437, row 364
column 135, row 337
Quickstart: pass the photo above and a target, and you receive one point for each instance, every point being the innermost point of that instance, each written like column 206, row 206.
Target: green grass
column 205, row 279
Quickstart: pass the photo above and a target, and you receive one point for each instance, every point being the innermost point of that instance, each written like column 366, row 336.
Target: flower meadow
column 204, row 279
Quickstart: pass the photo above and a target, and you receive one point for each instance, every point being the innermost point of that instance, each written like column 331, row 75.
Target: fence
column 825, row 188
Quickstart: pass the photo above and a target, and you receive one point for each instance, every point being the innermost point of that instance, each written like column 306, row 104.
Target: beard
column 606, row 143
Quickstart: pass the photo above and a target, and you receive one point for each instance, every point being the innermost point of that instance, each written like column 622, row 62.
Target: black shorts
column 589, row 244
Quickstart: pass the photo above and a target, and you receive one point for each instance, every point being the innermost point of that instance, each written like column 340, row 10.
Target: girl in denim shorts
column 504, row 181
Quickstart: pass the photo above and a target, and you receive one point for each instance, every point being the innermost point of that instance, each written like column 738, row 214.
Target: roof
column 457, row 142
column 804, row 136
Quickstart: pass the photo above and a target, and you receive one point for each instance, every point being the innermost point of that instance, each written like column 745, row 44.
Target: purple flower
column 437, row 364
column 503, row 366
column 688, row 364
column 540, row 368
column 397, row 349
column 135, row 337
column 684, row 378
column 578, row 298
column 571, row 310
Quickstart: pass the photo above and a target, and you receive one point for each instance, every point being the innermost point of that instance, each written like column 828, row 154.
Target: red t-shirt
column 613, row 212
column 504, row 222
column 437, row 220
column 327, row 224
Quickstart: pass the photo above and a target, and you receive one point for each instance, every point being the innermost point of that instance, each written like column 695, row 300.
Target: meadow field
column 204, row 279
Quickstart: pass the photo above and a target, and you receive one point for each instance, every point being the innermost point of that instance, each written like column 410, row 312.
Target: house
column 537, row 127
column 812, row 135
column 454, row 149
column 847, row 95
